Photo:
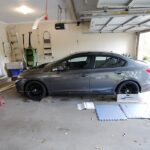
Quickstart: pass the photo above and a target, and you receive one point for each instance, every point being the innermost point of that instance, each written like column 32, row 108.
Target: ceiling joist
column 119, row 14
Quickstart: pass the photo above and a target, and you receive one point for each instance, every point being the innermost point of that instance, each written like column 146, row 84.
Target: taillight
column 148, row 70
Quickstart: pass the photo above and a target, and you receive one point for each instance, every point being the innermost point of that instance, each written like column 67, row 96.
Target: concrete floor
column 56, row 124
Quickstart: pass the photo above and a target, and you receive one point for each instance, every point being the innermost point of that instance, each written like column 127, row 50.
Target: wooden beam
column 144, row 31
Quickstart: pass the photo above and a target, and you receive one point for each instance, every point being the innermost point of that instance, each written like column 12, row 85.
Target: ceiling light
column 24, row 9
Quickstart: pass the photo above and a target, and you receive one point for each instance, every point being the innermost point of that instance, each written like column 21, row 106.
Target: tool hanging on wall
column 30, row 54
column 47, row 43
column 59, row 25
column 38, row 37
column 11, row 48
column 4, row 49
column 23, row 55
column 23, row 36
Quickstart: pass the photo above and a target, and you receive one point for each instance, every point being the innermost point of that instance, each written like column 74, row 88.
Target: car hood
column 31, row 72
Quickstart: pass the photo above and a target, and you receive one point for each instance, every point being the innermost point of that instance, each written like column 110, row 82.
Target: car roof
column 92, row 53
column 98, row 53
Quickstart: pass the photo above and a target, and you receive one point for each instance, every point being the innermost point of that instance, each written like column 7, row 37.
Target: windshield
column 50, row 65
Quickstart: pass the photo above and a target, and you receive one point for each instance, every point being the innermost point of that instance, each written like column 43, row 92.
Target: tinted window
column 73, row 63
column 78, row 63
column 108, row 62
column 78, row 59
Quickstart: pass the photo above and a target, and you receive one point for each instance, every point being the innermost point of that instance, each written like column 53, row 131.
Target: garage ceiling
column 104, row 15
column 9, row 15
column 114, row 15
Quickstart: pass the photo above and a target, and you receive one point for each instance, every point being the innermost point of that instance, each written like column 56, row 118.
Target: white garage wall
column 75, row 39
column 3, row 38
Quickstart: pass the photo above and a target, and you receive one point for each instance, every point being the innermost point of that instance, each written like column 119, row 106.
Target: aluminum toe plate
column 111, row 112
column 141, row 111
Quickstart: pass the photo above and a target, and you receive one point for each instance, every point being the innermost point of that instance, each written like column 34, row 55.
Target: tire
column 128, row 87
column 35, row 90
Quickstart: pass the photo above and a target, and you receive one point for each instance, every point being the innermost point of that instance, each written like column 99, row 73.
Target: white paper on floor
column 135, row 111
column 129, row 98
column 110, row 112
column 86, row 105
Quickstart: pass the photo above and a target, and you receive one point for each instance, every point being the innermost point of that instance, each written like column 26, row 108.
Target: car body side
column 90, row 80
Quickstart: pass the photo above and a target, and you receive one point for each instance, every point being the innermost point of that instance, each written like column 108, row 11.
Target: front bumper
column 20, row 85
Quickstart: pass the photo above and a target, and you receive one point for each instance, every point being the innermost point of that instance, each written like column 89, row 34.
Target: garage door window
column 108, row 62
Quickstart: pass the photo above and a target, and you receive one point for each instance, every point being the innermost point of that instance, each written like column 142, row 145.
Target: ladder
column 47, row 44
column 14, row 43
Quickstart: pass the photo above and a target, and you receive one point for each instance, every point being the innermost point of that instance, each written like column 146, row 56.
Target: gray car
column 86, row 73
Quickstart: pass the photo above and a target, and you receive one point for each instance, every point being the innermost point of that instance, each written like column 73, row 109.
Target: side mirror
column 59, row 68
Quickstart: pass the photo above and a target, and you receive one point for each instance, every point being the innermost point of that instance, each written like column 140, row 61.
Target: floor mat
column 135, row 111
column 111, row 112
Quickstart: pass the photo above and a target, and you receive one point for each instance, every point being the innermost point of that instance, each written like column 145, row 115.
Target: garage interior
column 60, row 28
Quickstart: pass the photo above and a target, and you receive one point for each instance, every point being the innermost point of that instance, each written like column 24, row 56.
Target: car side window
column 75, row 63
column 108, row 62
column 78, row 63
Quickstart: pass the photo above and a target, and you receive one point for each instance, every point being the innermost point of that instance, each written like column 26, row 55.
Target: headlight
column 20, row 77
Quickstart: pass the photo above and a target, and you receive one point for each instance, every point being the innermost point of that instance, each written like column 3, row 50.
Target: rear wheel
column 128, row 87
column 35, row 90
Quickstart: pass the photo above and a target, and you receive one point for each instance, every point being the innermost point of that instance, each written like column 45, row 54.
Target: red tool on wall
column 46, row 12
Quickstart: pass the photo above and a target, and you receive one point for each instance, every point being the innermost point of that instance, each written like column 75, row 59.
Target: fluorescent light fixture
column 24, row 9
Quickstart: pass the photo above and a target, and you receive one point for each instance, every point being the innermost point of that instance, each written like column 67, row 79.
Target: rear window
column 108, row 62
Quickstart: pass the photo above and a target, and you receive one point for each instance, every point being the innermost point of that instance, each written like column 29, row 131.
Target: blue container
column 15, row 72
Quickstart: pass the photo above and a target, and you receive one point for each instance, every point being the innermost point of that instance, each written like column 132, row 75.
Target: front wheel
column 35, row 90
column 128, row 87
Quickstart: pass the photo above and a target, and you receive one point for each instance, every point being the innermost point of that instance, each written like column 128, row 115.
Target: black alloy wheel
column 35, row 90
column 128, row 87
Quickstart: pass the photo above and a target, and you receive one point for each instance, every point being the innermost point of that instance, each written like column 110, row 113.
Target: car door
column 71, row 75
column 106, row 73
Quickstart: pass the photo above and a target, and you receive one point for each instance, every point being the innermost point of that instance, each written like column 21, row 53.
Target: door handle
column 84, row 75
column 118, row 72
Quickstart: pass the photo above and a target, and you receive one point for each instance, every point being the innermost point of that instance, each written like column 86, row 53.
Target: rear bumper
column 20, row 85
